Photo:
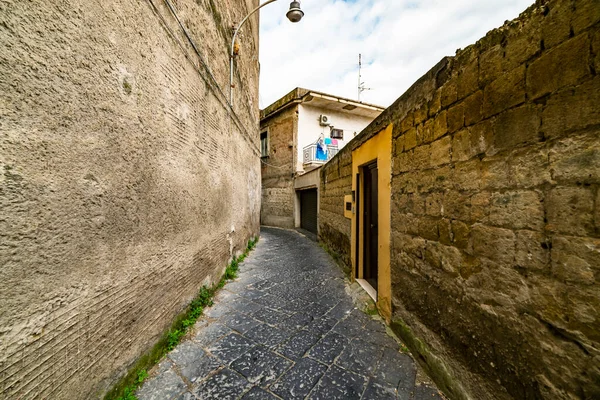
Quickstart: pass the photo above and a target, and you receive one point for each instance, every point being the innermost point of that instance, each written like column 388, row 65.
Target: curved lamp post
column 295, row 14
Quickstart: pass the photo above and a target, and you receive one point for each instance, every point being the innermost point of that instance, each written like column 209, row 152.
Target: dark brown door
column 308, row 210
column 370, row 218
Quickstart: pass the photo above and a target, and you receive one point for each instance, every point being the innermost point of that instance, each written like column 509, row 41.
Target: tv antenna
column 361, row 85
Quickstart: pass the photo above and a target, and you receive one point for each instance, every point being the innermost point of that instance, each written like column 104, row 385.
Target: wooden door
column 370, row 225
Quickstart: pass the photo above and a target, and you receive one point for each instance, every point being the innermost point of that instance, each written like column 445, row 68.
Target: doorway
column 371, row 219
column 370, row 224
column 308, row 210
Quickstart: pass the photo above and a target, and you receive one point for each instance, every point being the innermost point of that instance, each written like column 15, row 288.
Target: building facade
column 299, row 133
column 470, row 209
column 118, row 152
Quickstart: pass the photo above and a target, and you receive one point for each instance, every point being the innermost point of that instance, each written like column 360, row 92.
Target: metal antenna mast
column 361, row 85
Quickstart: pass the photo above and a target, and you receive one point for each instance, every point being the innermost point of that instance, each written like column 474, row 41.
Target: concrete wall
column 124, row 186
column 496, row 209
column 277, row 170
column 309, row 128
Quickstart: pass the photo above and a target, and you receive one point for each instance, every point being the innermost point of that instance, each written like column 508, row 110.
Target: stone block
column 398, row 145
column 449, row 93
column 597, row 213
column 420, row 157
column 468, row 80
column 413, row 246
column 434, row 204
column 404, row 183
column 408, row 122
column 456, row 117
column 556, row 26
column 576, row 159
column 495, row 244
column 440, row 125
column 410, row 139
column 587, row 13
column 425, row 132
column 461, row 146
column 575, row 260
column 473, row 108
column 517, row 127
column 490, row 64
column 432, row 180
column 401, row 163
column 596, row 49
column 461, row 234
column 421, row 114
column 403, row 222
column 533, row 250
column 529, row 167
column 428, row 228
column 467, row 175
column 482, row 136
column 569, row 210
column 444, row 258
column 564, row 65
column 400, row 202
column 416, row 204
column 505, row 92
column 445, row 231
column 523, row 44
column 496, row 173
column 440, row 151
column 396, row 131
column 435, row 105
column 480, row 206
column 572, row 109
column 517, row 210
column 457, row 205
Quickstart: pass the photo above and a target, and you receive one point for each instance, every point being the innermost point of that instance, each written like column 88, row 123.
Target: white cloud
column 400, row 40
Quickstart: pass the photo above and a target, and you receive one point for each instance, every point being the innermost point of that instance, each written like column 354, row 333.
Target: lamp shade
column 295, row 14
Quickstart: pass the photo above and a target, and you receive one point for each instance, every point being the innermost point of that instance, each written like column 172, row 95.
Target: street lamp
column 294, row 14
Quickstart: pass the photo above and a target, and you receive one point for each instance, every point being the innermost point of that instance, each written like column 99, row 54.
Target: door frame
column 301, row 207
column 377, row 149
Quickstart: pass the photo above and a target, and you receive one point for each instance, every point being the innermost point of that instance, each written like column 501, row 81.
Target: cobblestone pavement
column 286, row 328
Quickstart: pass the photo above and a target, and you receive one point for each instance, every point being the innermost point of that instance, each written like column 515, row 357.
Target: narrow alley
column 287, row 328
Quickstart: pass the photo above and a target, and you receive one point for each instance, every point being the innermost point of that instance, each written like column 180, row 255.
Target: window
column 337, row 134
column 264, row 144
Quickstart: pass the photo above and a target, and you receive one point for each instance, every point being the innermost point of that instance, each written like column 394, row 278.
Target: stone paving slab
column 286, row 328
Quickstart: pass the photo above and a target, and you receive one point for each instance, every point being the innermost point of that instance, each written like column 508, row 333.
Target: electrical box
column 348, row 206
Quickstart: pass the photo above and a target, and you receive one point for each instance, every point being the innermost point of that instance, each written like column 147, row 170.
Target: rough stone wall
column 496, row 209
column 334, row 227
column 277, row 170
column 124, row 185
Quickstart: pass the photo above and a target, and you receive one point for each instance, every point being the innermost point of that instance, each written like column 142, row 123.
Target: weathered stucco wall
column 277, row 170
column 496, row 209
column 124, row 186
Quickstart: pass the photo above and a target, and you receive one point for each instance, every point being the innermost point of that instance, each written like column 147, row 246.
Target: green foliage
column 142, row 375
column 128, row 394
column 126, row 389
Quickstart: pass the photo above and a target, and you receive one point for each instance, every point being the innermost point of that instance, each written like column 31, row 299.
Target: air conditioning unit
column 324, row 120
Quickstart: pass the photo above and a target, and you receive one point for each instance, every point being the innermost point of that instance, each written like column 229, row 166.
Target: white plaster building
column 290, row 129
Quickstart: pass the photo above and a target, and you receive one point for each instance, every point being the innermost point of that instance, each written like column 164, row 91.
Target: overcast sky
column 400, row 40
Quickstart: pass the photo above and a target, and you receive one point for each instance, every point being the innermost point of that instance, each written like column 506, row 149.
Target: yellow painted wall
column 377, row 148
